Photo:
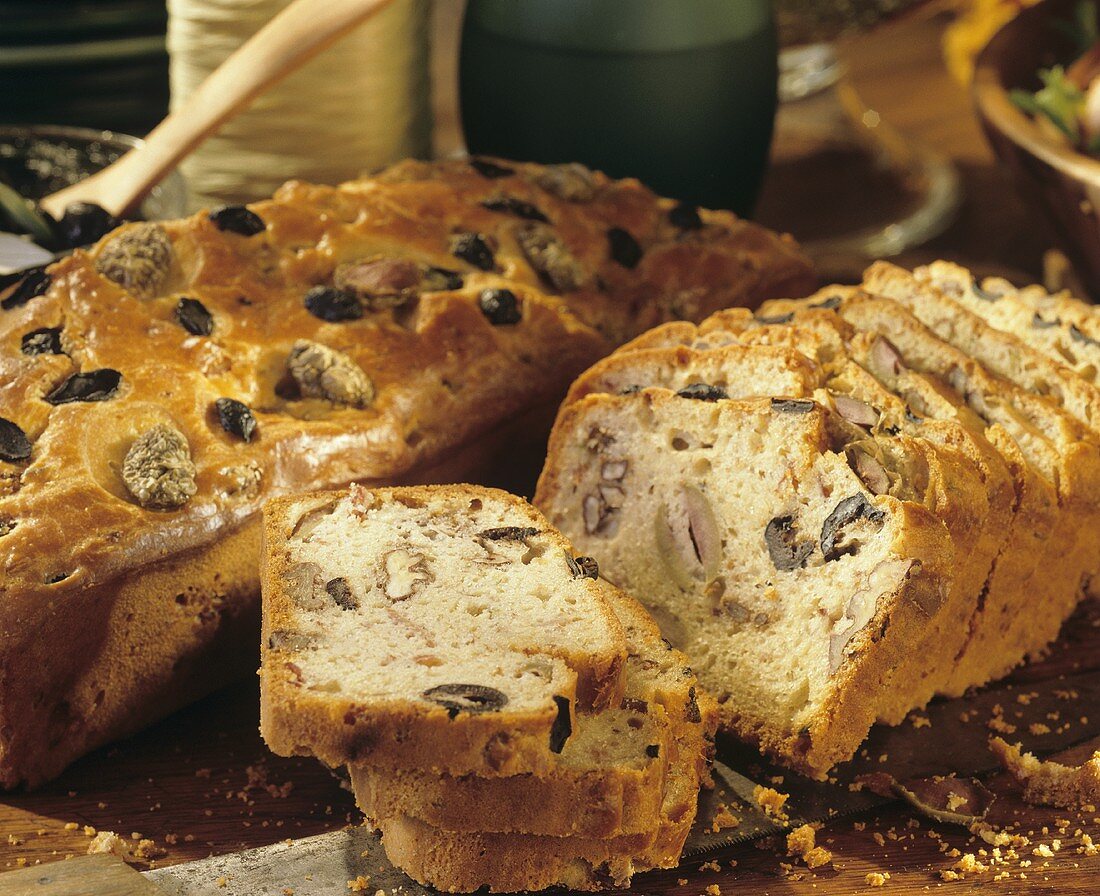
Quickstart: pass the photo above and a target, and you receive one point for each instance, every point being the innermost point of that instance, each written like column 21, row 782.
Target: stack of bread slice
column 507, row 718
column 965, row 456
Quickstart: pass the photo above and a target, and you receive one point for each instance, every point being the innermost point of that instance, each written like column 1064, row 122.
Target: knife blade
column 953, row 741
column 312, row 866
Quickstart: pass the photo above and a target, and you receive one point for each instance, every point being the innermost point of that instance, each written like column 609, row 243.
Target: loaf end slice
column 443, row 628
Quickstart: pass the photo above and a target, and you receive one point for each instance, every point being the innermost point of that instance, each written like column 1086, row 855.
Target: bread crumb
column 954, row 800
column 713, row 890
column 710, row 866
column 723, row 819
column 109, row 842
column 144, row 850
column 147, row 850
column 71, row 826
column 877, row 878
column 770, row 801
column 222, row 882
column 921, row 722
column 801, row 843
column 801, row 840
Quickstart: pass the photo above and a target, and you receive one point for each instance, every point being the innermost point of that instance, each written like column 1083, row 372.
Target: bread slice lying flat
column 760, row 551
column 608, row 781
column 463, row 862
column 447, row 629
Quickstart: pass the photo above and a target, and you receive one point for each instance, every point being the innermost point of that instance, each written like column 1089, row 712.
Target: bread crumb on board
column 771, row 802
column 801, row 842
column 877, row 878
column 359, row 885
column 723, row 819
column 136, row 849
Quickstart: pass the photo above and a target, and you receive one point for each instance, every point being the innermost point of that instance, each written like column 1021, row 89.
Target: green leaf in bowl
column 23, row 214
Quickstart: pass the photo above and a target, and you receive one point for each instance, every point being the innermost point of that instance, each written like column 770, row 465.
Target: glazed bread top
column 156, row 389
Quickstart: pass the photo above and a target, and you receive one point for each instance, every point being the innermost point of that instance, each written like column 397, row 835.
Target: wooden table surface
column 202, row 782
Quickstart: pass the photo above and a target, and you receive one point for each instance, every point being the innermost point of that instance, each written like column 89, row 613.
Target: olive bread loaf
column 157, row 388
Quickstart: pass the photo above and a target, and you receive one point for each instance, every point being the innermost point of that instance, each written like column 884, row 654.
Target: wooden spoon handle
column 291, row 38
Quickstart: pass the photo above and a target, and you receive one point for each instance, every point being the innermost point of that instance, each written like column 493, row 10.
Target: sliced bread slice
column 1023, row 505
column 760, row 552
column 894, row 344
column 461, row 862
column 442, row 628
column 1063, row 328
column 609, row 780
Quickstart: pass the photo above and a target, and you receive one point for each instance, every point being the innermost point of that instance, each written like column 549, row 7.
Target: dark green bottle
column 678, row 93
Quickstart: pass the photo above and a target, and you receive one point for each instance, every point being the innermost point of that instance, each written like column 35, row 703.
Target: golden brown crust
column 441, row 374
column 1050, row 783
column 128, row 654
column 590, row 804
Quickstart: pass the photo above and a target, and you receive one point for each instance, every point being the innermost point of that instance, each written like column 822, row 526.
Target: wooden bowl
column 1050, row 175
